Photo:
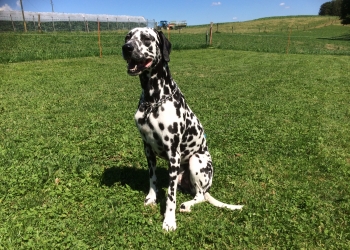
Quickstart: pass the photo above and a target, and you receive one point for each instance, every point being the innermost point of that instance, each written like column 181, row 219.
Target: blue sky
column 193, row 11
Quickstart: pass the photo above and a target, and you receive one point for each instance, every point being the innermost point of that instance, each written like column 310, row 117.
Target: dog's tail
column 217, row 203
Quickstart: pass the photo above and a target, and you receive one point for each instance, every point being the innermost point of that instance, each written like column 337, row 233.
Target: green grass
column 73, row 174
column 309, row 35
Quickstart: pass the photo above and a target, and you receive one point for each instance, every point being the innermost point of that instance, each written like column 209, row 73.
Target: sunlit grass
column 272, row 24
column 73, row 174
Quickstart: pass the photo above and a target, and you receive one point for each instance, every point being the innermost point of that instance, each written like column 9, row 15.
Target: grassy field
column 302, row 35
column 73, row 174
column 270, row 24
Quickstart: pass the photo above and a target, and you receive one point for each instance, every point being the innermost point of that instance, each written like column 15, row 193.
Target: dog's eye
column 127, row 38
column 147, row 41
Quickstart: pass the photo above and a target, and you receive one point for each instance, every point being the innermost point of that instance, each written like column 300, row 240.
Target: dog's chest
column 168, row 125
column 159, row 125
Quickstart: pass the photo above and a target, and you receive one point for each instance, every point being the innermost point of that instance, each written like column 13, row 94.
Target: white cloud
column 5, row 7
column 18, row 4
column 216, row 3
column 284, row 5
column 235, row 18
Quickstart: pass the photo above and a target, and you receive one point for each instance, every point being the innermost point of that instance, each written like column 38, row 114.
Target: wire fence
column 51, row 21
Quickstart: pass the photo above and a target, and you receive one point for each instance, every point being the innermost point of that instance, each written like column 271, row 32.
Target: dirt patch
column 330, row 46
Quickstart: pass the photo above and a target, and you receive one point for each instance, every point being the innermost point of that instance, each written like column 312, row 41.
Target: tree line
column 339, row 8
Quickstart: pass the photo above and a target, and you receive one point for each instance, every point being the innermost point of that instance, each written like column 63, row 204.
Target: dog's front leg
column 151, row 198
column 169, row 223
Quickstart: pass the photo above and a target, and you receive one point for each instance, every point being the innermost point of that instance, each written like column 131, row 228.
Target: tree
column 345, row 12
column 325, row 9
column 336, row 4
column 331, row 8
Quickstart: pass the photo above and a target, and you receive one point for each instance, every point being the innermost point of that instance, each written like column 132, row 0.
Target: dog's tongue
column 138, row 66
column 148, row 63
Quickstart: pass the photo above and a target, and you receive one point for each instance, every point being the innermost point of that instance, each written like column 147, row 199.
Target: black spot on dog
column 173, row 128
column 156, row 136
column 170, row 197
column 155, row 114
column 166, row 90
column 193, row 131
column 186, row 152
column 141, row 121
column 182, row 128
column 178, row 113
column 161, row 126
column 174, row 145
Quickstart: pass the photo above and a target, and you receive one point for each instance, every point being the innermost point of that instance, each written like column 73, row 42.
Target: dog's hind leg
column 201, row 173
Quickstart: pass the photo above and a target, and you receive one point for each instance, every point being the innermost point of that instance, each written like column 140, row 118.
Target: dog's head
column 144, row 49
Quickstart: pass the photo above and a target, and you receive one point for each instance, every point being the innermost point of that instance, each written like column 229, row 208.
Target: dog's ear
column 165, row 46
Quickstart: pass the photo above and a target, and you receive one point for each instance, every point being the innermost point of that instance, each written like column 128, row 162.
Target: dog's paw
column 185, row 208
column 150, row 201
column 169, row 225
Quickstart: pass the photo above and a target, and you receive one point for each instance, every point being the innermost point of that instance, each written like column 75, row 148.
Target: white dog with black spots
column 168, row 127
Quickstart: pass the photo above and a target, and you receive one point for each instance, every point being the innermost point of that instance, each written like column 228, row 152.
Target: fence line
column 51, row 21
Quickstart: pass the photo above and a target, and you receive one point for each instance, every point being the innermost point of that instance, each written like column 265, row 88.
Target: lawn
column 73, row 174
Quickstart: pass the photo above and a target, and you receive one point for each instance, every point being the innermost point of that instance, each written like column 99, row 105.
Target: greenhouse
column 52, row 21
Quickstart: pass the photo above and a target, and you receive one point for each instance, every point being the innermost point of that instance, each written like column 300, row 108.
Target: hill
column 268, row 24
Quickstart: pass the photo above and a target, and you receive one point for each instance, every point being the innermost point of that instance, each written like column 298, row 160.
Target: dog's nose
column 127, row 48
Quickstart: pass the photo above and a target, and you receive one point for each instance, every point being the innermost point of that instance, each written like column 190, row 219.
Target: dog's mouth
column 136, row 67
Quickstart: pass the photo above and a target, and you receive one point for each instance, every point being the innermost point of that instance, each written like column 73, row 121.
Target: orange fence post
column 211, row 34
column 99, row 38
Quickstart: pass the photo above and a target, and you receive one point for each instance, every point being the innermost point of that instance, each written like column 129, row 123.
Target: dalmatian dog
column 168, row 127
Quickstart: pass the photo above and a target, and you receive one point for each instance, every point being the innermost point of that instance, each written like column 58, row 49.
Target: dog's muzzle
column 136, row 65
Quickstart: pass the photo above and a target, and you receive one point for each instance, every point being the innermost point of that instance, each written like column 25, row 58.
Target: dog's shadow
column 137, row 179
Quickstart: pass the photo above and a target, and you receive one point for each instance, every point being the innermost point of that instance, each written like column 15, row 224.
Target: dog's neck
column 157, row 83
